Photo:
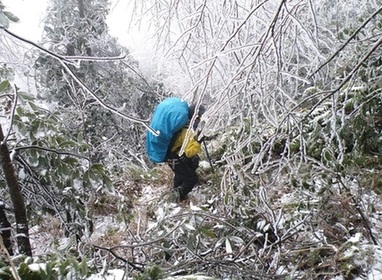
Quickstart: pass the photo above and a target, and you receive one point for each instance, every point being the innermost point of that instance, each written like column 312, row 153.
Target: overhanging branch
column 64, row 60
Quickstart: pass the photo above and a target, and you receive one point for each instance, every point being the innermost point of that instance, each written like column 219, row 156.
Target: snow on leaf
column 236, row 239
column 228, row 246
column 11, row 16
column 189, row 226
column 356, row 238
column 207, row 232
column 4, row 21
column 194, row 208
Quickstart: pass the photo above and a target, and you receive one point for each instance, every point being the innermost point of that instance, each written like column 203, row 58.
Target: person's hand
column 199, row 139
column 197, row 136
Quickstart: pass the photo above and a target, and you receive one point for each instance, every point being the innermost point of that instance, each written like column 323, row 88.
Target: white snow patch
column 113, row 274
column 356, row 238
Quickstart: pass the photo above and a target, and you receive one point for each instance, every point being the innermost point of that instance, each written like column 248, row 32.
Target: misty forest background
column 293, row 92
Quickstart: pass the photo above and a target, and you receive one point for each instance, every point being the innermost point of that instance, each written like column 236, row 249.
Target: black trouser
column 185, row 177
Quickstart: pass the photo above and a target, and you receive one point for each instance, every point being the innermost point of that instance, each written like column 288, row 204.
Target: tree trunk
column 5, row 231
column 16, row 197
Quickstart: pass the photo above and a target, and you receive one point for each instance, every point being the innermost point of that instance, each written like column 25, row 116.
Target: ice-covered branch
column 67, row 60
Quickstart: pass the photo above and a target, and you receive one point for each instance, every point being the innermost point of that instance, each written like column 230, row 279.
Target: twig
column 92, row 58
column 51, row 151
column 110, row 250
column 149, row 242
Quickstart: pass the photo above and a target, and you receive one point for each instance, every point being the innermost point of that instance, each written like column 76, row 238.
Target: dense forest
column 290, row 179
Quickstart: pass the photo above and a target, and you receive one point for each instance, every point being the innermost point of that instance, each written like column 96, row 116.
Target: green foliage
column 352, row 133
column 48, row 147
column 150, row 273
column 96, row 177
column 4, row 86
column 52, row 161
column 58, row 269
